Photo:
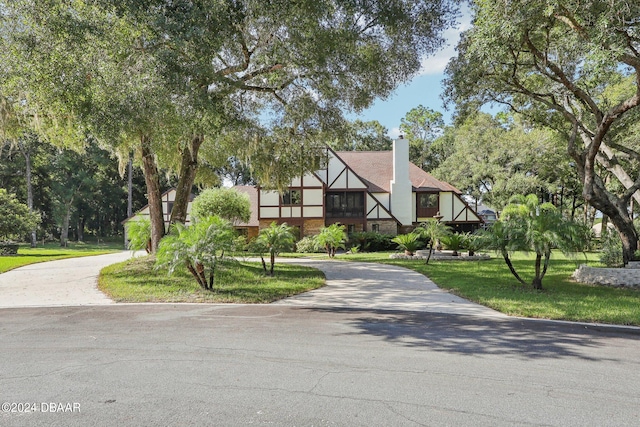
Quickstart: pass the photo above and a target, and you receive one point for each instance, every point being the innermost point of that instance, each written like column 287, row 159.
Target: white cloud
column 436, row 64
column 394, row 133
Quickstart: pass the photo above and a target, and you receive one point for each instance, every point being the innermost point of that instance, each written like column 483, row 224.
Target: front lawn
column 52, row 251
column 491, row 284
column 136, row 280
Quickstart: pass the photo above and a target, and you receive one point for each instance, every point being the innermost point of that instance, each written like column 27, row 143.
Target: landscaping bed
column 136, row 280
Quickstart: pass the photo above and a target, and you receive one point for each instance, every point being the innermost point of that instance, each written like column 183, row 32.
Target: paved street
column 159, row 365
column 378, row 346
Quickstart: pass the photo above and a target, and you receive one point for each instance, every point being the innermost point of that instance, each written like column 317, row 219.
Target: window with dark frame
column 427, row 204
column 375, row 228
column 292, row 197
column 344, row 204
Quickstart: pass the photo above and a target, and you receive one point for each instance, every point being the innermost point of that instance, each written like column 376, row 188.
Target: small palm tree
column 407, row 242
column 454, row 242
column 274, row 239
column 199, row 248
column 526, row 225
column 139, row 234
column 331, row 238
column 433, row 230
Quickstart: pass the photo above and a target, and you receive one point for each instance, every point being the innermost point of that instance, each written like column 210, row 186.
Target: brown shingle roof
column 252, row 192
column 376, row 168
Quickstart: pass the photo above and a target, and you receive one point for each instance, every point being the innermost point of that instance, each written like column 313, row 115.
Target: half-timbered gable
column 365, row 191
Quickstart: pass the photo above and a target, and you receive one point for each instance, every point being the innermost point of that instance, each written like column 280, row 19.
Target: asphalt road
column 180, row 365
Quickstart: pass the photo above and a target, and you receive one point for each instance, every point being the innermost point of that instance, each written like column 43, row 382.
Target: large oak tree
column 232, row 77
column 572, row 65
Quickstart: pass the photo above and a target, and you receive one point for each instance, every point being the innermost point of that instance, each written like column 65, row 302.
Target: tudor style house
column 377, row 191
column 365, row 191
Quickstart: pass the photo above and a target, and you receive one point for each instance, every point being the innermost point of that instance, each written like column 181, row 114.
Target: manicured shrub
column 370, row 241
column 308, row 245
column 226, row 203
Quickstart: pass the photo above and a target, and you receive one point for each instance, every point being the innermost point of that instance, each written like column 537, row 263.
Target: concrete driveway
column 63, row 282
column 380, row 287
column 73, row 282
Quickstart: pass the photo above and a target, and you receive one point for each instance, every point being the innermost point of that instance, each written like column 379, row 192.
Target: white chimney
column 400, row 184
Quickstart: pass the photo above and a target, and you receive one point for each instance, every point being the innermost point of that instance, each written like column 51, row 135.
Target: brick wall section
column 312, row 226
column 386, row 226
column 618, row 277
column 252, row 232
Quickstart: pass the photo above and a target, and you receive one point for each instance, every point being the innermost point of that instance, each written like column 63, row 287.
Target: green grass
column 490, row 283
column 136, row 280
column 53, row 251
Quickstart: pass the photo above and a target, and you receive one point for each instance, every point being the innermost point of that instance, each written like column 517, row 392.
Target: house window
column 428, row 205
column 427, row 200
column 292, row 197
column 351, row 228
column 375, row 228
column 344, row 204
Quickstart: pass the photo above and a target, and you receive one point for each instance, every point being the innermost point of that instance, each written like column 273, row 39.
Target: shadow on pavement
column 520, row 338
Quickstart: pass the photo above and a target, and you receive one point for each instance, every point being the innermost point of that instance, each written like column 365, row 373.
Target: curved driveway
column 64, row 282
column 71, row 282
column 366, row 285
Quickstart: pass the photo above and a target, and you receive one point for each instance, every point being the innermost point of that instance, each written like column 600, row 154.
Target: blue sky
column 425, row 89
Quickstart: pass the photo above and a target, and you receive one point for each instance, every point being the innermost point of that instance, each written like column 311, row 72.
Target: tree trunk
column 154, row 195
column 130, row 187
column 64, row 232
column 513, row 270
column 188, row 168
column 27, row 159
column 273, row 261
column 80, row 228
column 430, row 251
column 614, row 207
column 537, row 280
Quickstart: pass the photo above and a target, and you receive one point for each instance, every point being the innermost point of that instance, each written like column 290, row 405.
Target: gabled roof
column 252, row 192
column 376, row 169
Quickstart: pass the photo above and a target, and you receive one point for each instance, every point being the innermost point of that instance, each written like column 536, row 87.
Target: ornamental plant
column 409, row 243
column 273, row 240
column 332, row 238
column 526, row 225
column 199, row 248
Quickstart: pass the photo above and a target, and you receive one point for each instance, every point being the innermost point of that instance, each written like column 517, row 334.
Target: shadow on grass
column 475, row 336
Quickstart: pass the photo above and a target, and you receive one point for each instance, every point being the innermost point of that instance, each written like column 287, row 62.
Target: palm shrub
column 332, row 238
column 273, row 240
column 526, row 225
column 199, row 248
column 473, row 242
column 408, row 242
column 432, row 230
column 453, row 242
column 139, row 233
